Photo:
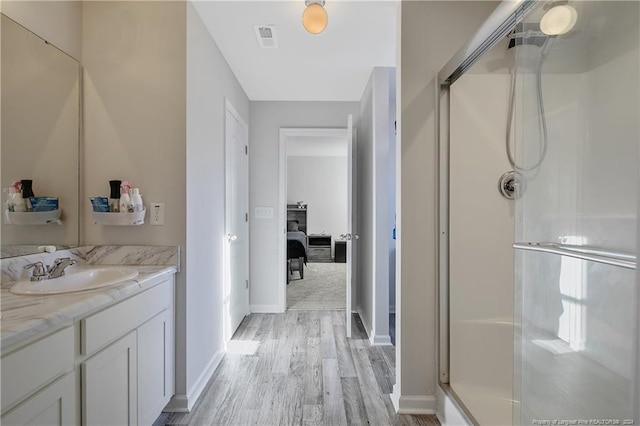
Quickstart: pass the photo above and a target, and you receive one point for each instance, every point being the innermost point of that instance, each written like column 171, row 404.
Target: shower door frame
column 500, row 23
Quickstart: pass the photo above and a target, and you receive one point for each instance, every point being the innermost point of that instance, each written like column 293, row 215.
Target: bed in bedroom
column 296, row 241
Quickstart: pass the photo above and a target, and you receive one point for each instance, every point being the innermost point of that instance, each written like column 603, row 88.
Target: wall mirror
column 40, row 138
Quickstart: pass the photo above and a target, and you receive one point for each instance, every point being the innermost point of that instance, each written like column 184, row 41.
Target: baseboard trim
column 374, row 340
column 265, row 309
column 367, row 328
column 380, row 340
column 177, row 404
column 184, row 403
column 413, row 404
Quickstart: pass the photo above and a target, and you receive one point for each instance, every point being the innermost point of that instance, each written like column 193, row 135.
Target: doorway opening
column 316, row 199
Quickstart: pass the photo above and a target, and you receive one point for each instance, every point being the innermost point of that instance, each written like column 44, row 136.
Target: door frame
column 229, row 108
column 285, row 134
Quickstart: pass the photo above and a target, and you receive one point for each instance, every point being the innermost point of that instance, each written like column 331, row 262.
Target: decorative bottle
column 114, row 198
column 27, row 193
column 16, row 198
column 136, row 200
column 125, row 198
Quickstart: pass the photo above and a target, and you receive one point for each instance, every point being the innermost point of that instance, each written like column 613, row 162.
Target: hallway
column 298, row 368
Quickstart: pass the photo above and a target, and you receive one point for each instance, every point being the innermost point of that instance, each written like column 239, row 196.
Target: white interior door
column 352, row 236
column 236, row 292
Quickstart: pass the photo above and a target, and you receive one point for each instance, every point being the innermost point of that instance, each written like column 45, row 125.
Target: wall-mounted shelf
column 119, row 219
column 33, row 218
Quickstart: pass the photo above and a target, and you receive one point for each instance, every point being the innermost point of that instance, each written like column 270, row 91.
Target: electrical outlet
column 157, row 214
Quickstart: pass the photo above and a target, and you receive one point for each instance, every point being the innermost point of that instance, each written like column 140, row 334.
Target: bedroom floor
column 323, row 287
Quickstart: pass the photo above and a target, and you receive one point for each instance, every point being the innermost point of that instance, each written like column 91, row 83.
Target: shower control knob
column 511, row 185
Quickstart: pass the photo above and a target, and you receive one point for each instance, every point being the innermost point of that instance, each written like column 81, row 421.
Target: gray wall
column 209, row 82
column 155, row 115
column 59, row 22
column 264, row 138
column 375, row 200
column 134, row 57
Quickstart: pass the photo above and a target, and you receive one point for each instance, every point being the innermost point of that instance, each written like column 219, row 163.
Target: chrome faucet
column 39, row 271
column 57, row 269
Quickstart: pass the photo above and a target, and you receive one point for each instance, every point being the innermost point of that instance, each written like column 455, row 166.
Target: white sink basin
column 75, row 280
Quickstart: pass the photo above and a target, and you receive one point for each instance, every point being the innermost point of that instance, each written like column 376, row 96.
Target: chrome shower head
column 527, row 34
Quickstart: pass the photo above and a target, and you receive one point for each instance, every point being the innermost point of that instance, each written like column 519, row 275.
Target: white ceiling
column 332, row 66
column 316, row 146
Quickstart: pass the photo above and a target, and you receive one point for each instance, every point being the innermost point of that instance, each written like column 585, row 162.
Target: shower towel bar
column 591, row 254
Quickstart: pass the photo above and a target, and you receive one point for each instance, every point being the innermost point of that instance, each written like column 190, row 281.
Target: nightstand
column 319, row 248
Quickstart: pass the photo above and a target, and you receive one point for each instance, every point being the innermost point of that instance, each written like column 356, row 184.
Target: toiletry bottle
column 10, row 191
column 136, row 200
column 16, row 198
column 114, row 198
column 27, row 193
column 125, row 198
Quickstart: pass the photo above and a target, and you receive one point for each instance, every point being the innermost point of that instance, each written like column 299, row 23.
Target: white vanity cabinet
column 109, row 385
column 155, row 366
column 114, row 367
column 127, row 377
column 38, row 382
column 55, row 405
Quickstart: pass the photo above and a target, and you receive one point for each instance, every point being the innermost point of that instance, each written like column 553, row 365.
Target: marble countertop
column 25, row 319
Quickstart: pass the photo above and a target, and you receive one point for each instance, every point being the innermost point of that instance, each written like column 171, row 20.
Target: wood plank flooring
column 303, row 372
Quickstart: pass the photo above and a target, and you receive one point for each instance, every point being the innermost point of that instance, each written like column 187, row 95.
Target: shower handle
column 511, row 185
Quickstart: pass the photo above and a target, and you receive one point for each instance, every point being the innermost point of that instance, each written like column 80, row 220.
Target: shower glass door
column 577, row 149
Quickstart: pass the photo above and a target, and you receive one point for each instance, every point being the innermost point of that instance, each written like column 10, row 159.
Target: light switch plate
column 263, row 212
column 156, row 213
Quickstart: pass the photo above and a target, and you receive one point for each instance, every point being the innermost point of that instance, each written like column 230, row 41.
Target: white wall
column 431, row 32
column 321, row 182
column 374, row 142
column 209, row 82
column 58, row 22
column 264, row 138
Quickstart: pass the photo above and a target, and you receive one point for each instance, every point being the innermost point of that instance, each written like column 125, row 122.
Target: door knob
column 355, row 236
column 231, row 237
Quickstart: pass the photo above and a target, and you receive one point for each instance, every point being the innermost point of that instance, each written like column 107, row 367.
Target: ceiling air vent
column 266, row 35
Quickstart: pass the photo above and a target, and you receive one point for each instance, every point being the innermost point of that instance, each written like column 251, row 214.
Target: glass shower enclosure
column 573, row 147
column 576, row 147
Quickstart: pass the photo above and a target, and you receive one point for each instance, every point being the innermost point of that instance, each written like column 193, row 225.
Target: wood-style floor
column 298, row 368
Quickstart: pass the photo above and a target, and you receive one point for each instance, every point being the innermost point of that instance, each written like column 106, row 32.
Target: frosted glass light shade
column 558, row 20
column 314, row 18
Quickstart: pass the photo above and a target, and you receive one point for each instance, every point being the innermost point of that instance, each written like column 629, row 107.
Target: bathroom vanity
column 96, row 357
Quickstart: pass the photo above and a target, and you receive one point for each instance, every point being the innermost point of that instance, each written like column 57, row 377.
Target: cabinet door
column 54, row 405
column 155, row 372
column 109, row 385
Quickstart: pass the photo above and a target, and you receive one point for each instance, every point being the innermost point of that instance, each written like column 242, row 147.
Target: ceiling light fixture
column 314, row 17
column 560, row 19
